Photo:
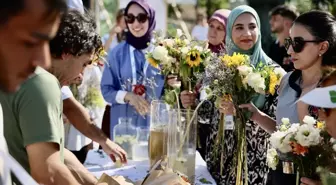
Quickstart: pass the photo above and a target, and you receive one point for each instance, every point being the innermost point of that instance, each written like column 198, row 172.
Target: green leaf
column 205, row 181
column 332, row 96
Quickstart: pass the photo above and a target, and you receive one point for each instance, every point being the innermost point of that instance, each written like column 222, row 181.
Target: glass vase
column 159, row 120
column 182, row 141
column 125, row 134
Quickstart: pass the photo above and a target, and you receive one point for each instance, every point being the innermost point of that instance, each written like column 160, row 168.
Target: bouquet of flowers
column 307, row 145
column 180, row 57
column 236, row 79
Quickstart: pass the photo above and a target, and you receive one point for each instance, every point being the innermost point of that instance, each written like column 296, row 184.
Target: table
column 97, row 162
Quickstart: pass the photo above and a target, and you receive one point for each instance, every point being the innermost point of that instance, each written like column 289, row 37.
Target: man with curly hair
column 33, row 122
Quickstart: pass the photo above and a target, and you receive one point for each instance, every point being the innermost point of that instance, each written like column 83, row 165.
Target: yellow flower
column 235, row 60
column 273, row 82
column 320, row 125
column 194, row 58
column 153, row 62
column 101, row 53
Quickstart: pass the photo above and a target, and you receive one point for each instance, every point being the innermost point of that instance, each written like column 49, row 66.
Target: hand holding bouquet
column 307, row 145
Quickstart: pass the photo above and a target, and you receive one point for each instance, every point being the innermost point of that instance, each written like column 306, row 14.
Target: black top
column 279, row 54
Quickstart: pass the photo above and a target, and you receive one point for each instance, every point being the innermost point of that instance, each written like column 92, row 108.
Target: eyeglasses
column 297, row 43
column 141, row 17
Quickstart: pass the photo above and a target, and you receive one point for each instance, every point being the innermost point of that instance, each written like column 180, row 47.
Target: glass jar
column 159, row 119
column 182, row 141
column 124, row 134
column 140, row 149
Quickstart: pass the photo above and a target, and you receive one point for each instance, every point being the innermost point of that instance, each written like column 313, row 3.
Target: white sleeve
column 76, row 4
column 66, row 93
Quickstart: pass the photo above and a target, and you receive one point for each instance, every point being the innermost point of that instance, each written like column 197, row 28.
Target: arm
column 111, row 93
column 115, row 95
column 80, row 119
column 46, row 167
column 82, row 175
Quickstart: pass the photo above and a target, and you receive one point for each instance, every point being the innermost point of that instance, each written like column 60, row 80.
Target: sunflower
column 153, row 62
column 194, row 58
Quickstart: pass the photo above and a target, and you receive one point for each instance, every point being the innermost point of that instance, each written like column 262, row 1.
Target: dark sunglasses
column 297, row 43
column 141, row 17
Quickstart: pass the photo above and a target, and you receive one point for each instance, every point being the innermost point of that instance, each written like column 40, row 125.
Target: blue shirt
column 117, row 80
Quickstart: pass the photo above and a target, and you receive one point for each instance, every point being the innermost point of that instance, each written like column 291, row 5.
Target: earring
column 320, row 54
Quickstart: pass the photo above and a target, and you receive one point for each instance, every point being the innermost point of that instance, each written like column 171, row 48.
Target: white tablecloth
column 99, row 163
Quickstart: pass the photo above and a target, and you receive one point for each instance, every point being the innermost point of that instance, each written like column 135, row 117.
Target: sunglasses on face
column 141, row 17
column 297, row 43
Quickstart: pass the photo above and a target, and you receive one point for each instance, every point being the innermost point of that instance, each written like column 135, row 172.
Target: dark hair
column 322, row 25
column 76, row 35
column 10, row 8
column 284, row 11
column 120, row 15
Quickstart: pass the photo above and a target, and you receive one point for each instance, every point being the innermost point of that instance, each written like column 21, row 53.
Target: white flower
column 244, row 70
column 256, row 81
column 186, row 41
column 294, row 128
column 185, row 50
column 272, row 158
column 279, row 72
column 168, row 42
column 285, row 121
column 308, row 136
column 199, row 48
column 332, row 140
column 179, row 32
column 334, row 147
column 309, row 120
column 281, row 141
column 160, row 53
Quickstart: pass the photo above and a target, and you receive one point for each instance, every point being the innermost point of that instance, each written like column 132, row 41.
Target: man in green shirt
column 33, row 124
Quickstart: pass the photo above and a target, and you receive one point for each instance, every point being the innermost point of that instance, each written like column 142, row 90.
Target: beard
column 277, row 29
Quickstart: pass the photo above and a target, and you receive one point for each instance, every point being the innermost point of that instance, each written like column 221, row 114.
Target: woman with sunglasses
column 324, row 98
column 311, row 46
column 124, row 82
column 243, row 36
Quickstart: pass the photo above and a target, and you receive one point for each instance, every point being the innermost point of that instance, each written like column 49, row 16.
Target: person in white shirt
column 200, row 31
column 32, row 42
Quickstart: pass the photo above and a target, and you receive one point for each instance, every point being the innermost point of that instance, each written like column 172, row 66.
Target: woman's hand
column 188, row 99
column 226, row 107
column 253, row 109
column 173, row 81
column 307, row 181
column 138, row 102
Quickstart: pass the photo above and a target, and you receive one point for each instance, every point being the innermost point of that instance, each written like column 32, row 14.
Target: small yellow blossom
column 153, row 62
column 273, row 82
column 320, row 125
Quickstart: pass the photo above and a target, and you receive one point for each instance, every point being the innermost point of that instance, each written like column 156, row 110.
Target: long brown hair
column 119, row 16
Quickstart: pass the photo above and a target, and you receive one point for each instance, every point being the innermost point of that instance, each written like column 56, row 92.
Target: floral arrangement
column 307, row 145
column 181, row 57
column 236, row 79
